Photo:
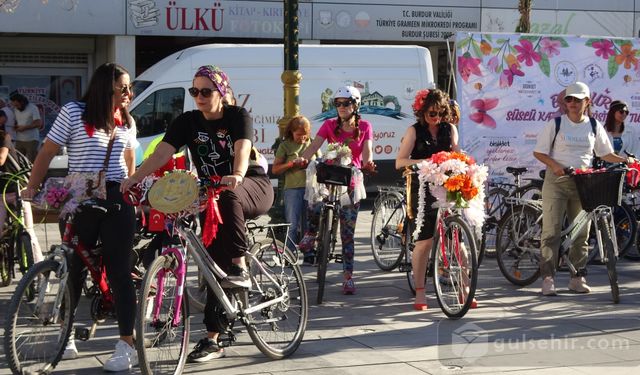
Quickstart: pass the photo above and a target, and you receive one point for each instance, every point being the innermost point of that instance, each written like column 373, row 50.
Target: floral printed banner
column 509, row 86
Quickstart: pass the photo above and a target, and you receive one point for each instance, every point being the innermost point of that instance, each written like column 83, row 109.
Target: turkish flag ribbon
column 212, row 214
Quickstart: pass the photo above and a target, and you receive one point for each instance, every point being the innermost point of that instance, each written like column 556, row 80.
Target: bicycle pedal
column 226, row 339
column 82, row 334
column 338, row 258
column 404, row 267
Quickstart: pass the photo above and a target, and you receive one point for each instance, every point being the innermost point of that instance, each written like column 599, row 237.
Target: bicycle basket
column 600, row 188
column 333, row 174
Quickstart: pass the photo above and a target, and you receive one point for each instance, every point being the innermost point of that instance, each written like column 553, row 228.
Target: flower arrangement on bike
column 350, row 130
column 454, row 178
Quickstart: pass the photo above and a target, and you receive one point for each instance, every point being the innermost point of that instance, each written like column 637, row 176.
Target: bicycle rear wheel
column 38, row 325
column 386, row 231
column 455, row 267
column 518, row 245
column 324, row 248
column 610, row 257
column 626, row 226
column 495, row 208
column 162, row 343
column 276, row 330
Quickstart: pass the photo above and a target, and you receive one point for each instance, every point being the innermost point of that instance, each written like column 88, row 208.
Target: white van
column 387, row 76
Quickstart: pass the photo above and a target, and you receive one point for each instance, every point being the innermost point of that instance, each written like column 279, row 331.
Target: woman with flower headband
column 428, row 136
column 219, row 137
column 87, row 127
column 351, row 130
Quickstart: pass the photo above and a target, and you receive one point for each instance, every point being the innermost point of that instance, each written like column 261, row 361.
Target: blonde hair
column 295, row 124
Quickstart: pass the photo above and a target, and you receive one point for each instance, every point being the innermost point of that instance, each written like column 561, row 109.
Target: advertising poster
column 509, row 86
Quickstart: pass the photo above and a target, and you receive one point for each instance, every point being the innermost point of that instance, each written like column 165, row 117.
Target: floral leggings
column 348, row 217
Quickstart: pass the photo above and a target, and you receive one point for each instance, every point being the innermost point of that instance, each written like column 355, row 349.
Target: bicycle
column 15, row 244
column 497, row 207
column 386, row 227
column 273, row 309
column 453, row 255
column 518, row 240
column 38, row 324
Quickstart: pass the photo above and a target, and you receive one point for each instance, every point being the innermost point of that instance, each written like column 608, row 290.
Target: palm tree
column 524, row 25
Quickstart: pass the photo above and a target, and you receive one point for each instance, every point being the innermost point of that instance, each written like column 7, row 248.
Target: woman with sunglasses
column 573, row 144
column 429, row 135
column 622, row 138
column 219, row 137
column 351, row 130
column 86, row 128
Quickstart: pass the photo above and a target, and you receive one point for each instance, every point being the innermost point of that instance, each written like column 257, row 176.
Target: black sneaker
column 205, row 350
column 238, row 276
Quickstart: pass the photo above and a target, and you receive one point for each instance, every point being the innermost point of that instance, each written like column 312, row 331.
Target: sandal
column 420, row 306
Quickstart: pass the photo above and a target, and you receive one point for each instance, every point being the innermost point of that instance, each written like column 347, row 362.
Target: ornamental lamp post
column 291, row 78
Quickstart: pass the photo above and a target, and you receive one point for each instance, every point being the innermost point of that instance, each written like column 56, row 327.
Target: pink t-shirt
column 327, row 132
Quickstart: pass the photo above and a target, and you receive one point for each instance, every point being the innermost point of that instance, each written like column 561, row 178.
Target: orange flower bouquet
column 455, row 180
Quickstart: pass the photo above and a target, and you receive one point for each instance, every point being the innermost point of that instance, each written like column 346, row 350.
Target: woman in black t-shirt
column 219, row 139
column 428, row 136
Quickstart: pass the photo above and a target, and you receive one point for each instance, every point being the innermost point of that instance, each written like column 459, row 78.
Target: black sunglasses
column 125, row 89
column 623, row 110
column 435, row 114
column 570, row 99
column 339, row 104
column 194, row 91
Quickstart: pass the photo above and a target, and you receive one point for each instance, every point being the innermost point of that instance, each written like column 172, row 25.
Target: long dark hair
column 99, row 97
column 610, row 122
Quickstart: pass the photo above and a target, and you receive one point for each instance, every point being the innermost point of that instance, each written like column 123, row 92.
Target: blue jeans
column 295, row 209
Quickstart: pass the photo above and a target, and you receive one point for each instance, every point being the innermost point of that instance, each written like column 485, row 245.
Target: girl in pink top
column 348, row 128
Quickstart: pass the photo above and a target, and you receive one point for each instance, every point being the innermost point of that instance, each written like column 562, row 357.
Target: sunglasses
column 338, row 104
column 126, row 89
column 206, row 93
column 569, row 99
column 435, row 114
column 625, row 111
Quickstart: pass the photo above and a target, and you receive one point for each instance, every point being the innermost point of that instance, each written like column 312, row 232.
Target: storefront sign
column 392, row 22
column 203, row 18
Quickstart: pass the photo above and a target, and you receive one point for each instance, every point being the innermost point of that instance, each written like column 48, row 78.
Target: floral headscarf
column 216, row 75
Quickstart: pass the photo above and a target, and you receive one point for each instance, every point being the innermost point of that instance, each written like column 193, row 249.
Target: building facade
column 48, row 48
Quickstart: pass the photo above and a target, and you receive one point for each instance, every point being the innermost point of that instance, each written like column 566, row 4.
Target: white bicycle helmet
column 348, row 92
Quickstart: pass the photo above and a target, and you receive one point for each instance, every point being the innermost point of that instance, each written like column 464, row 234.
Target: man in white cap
column 571, row 144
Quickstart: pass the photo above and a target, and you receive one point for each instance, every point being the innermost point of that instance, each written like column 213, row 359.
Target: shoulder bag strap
column 105, row 164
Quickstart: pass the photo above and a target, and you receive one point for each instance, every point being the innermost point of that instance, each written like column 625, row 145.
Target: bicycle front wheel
column 324, row 248
column 386, row 231
column 25, row 256
column 610, row 257
column 518, row 245
column 162, row 327
column 454, row 267
column 38, row 324
column 277, row 330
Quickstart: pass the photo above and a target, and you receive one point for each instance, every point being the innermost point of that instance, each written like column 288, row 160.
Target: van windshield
column 140, row 86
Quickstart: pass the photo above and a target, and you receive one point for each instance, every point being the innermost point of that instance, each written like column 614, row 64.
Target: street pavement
column 514, row 330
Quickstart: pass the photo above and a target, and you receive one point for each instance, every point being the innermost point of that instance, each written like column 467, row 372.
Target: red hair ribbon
column 212, row 214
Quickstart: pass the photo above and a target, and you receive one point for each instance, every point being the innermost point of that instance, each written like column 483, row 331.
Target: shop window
column 157, row 111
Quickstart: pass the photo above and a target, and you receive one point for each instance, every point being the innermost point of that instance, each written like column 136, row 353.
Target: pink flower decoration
column 550, row 47
column 493, row 63
column 526, row 53
column 506, row 78
column 467, row 66
column 483, row 106
column 604, row 48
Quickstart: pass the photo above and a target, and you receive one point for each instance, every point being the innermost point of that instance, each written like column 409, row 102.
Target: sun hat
column 577, row 90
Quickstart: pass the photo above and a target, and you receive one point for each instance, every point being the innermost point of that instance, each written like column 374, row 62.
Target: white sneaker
column 124, row 358
column 70, row 351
